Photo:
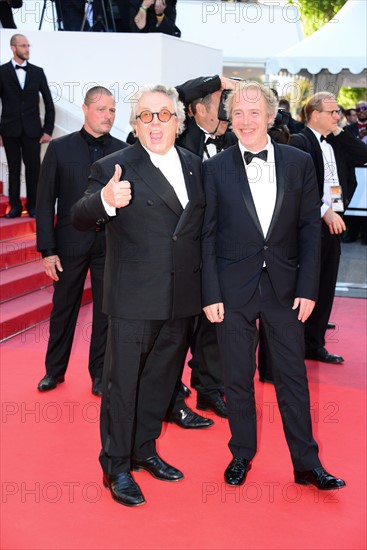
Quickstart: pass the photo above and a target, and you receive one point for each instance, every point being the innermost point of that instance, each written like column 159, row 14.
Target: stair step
column 5, row 206
column 16, row 227
column 26, row 311
column 23, row 279
column 18, row 250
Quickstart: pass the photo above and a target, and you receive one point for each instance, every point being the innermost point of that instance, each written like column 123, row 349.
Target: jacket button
column 174, row 238
column 266, row 247
column 150, row 203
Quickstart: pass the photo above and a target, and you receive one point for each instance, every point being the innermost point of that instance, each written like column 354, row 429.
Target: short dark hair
column 95, row 92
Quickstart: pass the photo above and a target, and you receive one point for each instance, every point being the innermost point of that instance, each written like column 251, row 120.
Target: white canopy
column 340, row 45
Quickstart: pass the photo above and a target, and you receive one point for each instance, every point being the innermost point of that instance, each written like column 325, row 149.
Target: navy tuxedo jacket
column 153, row 246
column 20, row 107
column 234, row 247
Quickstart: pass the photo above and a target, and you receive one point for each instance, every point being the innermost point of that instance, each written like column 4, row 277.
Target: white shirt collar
column 268, row 147
column 158, row 160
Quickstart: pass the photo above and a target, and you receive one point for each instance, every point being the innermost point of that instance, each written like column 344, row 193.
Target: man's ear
column 200, row 109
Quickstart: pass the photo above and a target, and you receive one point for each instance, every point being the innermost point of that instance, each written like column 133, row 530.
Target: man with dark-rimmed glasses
column 150, row 197
column 335, row 154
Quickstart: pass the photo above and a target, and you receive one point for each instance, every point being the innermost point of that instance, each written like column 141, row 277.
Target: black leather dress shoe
column 236, row 471
column 97, row 386
column 185, row 390
column 31, row 212
column 50, row 382
column 331, row 326
column 324, row 356
column 188, row 419
column 124, row 489
column 13, row 213
column 320, row 478
column 158, row 468
column 215, row 404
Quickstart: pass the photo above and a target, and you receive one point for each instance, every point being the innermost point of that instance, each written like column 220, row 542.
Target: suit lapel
column 190, row 179
column 12, row 73
column 245, row 189
column 279, row 168
column 316, row 154
column 154, row 178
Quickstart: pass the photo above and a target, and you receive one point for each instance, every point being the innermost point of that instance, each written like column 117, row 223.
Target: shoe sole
column 139, row 468
column 106, row 486
column 306, row 482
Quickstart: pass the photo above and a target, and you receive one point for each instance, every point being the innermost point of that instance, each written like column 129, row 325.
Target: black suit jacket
column 349, row 152
column 353, row 129
column 63, row 180
column 233, row 246
column 20, row 107
column 153, row 246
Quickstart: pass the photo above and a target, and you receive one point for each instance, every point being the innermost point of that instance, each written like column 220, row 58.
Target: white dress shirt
column 331, row 177
column 21, row 74
column 261, row 176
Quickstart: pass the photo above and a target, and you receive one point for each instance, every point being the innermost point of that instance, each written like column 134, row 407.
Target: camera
column 282, row 118
column 222, row 114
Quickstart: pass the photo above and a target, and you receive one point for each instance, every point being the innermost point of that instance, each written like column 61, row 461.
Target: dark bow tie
column 218, row 141
column 24, row 67
column 322, row 138
column 263, row 155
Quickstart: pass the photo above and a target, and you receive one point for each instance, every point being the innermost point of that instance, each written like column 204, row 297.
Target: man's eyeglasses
column 363, row 108
column 333, row 113
column 163, row 116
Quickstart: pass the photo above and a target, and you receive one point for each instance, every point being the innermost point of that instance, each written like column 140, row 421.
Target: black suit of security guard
column 21, row 128
column 63, row 179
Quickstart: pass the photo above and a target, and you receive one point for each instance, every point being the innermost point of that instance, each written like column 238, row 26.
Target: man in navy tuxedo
column 261, row 260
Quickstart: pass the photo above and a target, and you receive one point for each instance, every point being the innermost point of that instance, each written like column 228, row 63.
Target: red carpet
column 52, row 496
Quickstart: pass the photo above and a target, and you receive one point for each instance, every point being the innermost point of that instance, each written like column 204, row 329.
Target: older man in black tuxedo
column 21, row 130
column 261, row 260
column 152, row 283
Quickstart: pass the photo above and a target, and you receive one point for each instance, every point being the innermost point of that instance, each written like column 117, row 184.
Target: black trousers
column 237, row 338
column 206, row 369
column 316, row 324
column 68, row 292
column 143, row 361
column 28, row 149
column 6, row 16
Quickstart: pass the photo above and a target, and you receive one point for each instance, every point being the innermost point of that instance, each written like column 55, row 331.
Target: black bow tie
column 322, row 138
column 210, row 140
column 218, row 141
column 263, row 155
column 24, row 67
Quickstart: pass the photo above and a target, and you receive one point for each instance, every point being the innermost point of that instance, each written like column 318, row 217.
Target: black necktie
column 263, row 155
column 24, row 67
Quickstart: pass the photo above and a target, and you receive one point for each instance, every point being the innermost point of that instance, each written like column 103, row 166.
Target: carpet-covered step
column 26, row 311
column 22, row 279
column 16, row 227
column 18, row 250
column 5, row 206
